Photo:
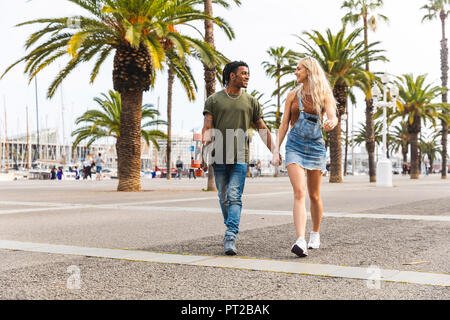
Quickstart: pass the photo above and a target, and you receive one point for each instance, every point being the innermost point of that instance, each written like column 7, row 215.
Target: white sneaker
column 314, row 240
column 299, row 248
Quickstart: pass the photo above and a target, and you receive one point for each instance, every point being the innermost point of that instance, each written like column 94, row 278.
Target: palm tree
column 391, row 115
column 400, row 139
column 360, row 135
column 358, row 10
column 343, row 58
column 106, row 122
column 438, row 8
column 134, row 31
column 415, row 105
column 210, row 71
column 281, row 64
column 268, row 108
column 430, row 148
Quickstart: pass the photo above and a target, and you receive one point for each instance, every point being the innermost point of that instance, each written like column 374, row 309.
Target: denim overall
column 305, row 144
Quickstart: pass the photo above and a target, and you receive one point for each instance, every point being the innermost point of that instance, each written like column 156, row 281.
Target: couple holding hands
column 230, row 113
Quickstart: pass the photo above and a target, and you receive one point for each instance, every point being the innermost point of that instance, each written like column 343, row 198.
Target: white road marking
column 137, row 206
column 286, row 213
column 423, row 278
column 199, row 199
column 13, row 211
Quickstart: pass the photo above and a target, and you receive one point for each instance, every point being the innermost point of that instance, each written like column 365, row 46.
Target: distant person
column 405, row 168
column 258, row 168
column 179, row 165
column 77, row 173
column 305, row 146
column 86, row 168
column 98, row 166
column 53, row 174
column 92, row 167
column 60, row 173
column 191, row 169
column 427, row 168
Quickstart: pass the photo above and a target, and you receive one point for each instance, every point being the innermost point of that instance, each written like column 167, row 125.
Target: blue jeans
column 230, row 181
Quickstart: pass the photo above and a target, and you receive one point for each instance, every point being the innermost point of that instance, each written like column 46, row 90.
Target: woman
column 305, row 147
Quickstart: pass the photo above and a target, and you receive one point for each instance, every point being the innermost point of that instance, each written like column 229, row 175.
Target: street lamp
column 384, row 165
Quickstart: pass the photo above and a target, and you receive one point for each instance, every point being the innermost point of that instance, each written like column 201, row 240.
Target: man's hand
column 204, row 165
column 206, row 137
column 276, row 159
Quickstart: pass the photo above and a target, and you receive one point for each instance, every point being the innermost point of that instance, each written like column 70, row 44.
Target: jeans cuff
column 230, row 233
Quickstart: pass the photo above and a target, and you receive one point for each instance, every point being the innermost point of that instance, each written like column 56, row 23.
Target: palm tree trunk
column 405, row 153
column 346, row 146
column 370, row 140
column 129, row 148
column 431, row 159
column 117, row 152
column 340, row 94
column 278, row 120
column 444, row 78
column 336, row 154
column 171, row 79
column 414, row 140
column 414, row 131
column 387, row 145
column 210, row 80
column 444, row 149
column 370, row 135
column 419, row 165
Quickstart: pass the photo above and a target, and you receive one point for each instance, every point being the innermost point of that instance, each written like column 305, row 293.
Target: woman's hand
column 276, row 159
column 330, row 124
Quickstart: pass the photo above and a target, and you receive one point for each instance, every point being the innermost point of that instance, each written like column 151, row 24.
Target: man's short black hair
column 231, row 67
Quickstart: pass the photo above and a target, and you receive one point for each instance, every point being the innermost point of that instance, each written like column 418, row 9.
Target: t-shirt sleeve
column 209, row 107
column 257, row 111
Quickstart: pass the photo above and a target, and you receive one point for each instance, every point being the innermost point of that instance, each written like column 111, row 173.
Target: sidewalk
column 401, row 230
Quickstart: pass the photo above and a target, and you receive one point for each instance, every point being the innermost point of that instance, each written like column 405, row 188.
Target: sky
column 411, row 46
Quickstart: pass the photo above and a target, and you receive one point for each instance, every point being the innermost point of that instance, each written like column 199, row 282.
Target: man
column 179, row 165
column 98, row 166
column 228, row 114
column 192, row 170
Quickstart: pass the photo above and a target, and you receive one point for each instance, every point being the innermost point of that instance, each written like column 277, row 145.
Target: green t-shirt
column 232, row 118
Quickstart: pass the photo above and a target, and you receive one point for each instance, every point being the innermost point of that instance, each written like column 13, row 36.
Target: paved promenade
column 83, row 240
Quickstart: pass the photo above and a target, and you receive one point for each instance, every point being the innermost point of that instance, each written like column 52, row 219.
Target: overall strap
column 300, row 104
column 302, row 108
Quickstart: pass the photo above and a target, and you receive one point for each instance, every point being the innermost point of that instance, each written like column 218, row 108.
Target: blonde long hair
column 319, row 86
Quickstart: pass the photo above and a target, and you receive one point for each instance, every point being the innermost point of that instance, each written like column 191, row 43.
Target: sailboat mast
column 37, row 154
column 63, row 150
column 156, row 151
column 6, row 139
column 28, row 144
